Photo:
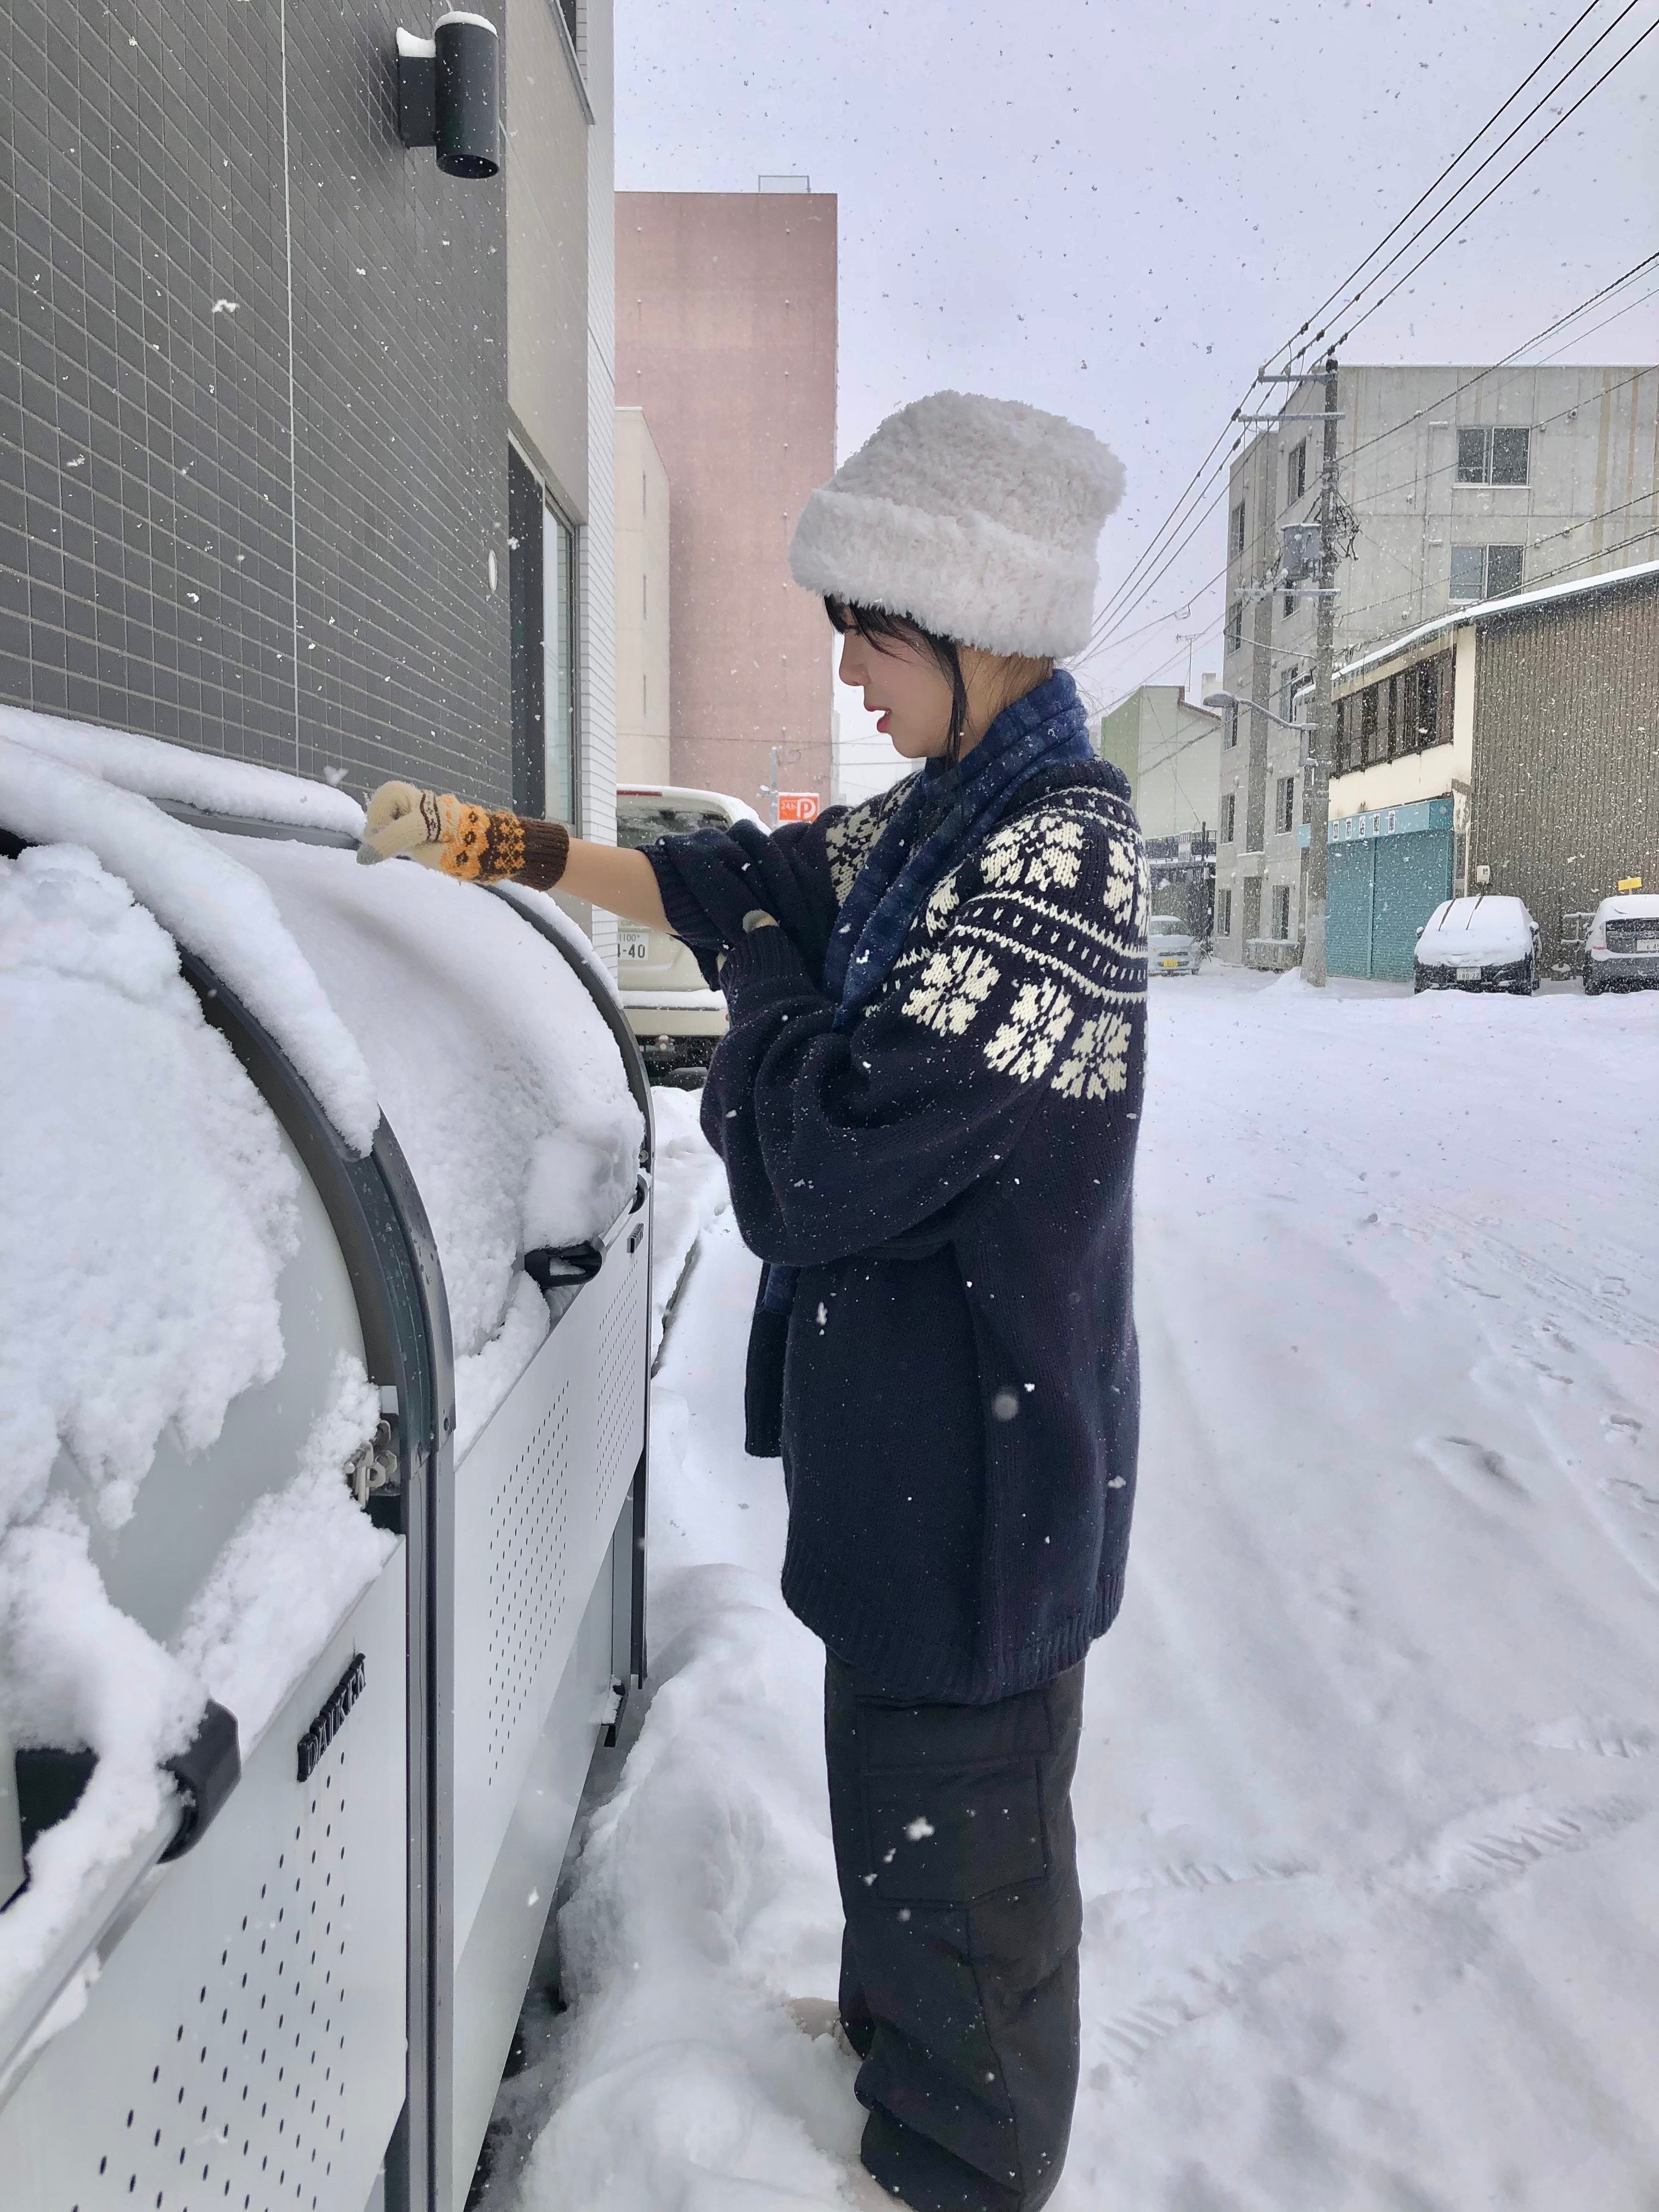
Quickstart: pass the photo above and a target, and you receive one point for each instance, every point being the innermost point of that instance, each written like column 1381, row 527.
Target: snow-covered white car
column 1171, row 948
column 677, row 1019
column 1621, row 947
column 1486, row 943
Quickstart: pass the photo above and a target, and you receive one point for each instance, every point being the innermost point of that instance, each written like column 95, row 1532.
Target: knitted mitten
column 477, row 844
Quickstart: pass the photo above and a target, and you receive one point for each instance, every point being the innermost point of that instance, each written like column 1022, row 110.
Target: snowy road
column 1369, row 1796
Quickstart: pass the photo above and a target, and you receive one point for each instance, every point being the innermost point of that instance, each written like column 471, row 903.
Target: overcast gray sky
column 1118, row 210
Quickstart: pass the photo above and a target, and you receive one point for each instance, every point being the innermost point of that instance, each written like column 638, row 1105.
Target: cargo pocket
column 951, row 1839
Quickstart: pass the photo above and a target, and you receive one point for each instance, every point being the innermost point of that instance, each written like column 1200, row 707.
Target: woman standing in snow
column 928, row 1104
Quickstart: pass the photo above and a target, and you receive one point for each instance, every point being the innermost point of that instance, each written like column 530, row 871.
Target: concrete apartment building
column 279, row 395
column 643, row 692
column 726, row 338
column 1467, row 485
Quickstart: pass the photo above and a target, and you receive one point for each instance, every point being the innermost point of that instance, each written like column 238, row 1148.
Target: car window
column 642, row 821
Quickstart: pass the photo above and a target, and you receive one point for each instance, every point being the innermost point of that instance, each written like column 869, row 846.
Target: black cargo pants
column 958, row 1861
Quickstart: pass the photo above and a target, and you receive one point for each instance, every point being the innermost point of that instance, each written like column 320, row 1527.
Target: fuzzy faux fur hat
column 977, row 517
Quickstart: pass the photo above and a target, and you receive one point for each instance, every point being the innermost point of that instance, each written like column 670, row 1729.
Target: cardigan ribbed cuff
column 685, row 917
column 764, row 957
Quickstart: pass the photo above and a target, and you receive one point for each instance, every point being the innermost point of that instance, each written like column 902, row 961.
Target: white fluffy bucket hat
column 977, row 517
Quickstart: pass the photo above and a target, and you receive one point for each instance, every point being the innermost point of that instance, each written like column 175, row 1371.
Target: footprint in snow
column 1482, row 1851
column 1475, row 1471
column 1603, row 1738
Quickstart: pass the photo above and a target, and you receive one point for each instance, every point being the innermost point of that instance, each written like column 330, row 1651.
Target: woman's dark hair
column 876, row 623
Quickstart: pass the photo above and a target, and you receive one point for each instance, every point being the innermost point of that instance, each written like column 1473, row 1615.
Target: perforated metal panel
column 244, row 2046
column 529, row 1542
column 619, row 1414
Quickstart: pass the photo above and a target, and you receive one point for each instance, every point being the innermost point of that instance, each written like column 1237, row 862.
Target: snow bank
column 705, row 1895
column 149, row 1207
column 156, row 769
column 211, row 904
column 504, row 1086
column 690, row 1190
column 300, row 1559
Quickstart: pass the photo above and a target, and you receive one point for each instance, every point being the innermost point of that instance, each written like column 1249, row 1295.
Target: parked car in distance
column 677, row 1019
column 1486, row 943
column 1172, row 949
column 1621, row 945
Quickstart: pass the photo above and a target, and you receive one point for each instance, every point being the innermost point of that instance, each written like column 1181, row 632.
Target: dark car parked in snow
column 1486, row 943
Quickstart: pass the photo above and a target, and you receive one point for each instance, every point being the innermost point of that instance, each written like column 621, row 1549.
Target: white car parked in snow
column 1172, row 949
column 677, row 1019
column 1621, row 947
column 1486, row 943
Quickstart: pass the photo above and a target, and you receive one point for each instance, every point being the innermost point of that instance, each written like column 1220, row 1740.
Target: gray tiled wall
column 163, row 452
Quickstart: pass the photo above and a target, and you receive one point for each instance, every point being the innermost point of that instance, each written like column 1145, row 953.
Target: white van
column 677, row 1019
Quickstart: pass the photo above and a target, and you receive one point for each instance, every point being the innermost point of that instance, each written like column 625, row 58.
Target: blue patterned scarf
column 945, row 811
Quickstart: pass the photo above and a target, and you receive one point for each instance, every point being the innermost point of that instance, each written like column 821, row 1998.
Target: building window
column 1287, row 684
column 1229, row 817
column 1224, row 913
column 1428, row 706
column 1285, row 804
column 1484, row 572
column 528, row 665
column 542, row 608
column 1295, row 472
column 1235, row 531
column 1290, row 603
column 1368, row 751
column 1229, row 724
column 559, row 642
column 1502, row 570
column 1281, row 911
column 1234, row 626
column 1493, row 456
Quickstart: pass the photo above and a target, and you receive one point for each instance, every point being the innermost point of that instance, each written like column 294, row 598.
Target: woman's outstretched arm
column 479, row 844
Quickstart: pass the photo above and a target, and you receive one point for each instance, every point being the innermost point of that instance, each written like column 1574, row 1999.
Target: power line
column 1468, row 148
column 1618, row 64
column 1176, row 517
column 1106, row 630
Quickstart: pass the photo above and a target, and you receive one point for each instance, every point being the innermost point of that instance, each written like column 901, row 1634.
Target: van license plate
column 1468, row 975
column 1647, row 943
column 633, row 943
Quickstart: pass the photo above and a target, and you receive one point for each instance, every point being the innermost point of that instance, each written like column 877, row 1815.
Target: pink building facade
column 725, row 338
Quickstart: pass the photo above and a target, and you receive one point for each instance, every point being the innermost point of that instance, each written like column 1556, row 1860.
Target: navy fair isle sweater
column 951, row 1176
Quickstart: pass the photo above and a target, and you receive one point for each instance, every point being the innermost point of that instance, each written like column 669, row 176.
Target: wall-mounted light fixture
column 448, row 93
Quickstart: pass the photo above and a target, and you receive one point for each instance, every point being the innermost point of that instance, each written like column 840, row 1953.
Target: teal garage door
column 1388, row 871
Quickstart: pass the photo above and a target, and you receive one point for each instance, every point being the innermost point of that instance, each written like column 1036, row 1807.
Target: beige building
column 1171, row 750
column 561, row 260
column 725, row 335
column 642, row 602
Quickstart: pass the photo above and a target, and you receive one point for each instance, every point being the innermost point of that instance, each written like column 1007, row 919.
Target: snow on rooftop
column 1485, row 609
column 156, row 769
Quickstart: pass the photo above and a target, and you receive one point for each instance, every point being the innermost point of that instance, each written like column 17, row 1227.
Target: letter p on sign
column 798, row 806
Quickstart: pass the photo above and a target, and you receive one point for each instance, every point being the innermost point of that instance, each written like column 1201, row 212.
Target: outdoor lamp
column 448, row 93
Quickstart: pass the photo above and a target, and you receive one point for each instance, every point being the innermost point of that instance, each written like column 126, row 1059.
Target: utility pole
column 1321, row 744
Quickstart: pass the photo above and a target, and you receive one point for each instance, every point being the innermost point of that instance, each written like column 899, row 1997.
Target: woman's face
column 904, row 685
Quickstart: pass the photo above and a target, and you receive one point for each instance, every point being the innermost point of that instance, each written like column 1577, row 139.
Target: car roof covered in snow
column 1490, row 926
column 1628, row 906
